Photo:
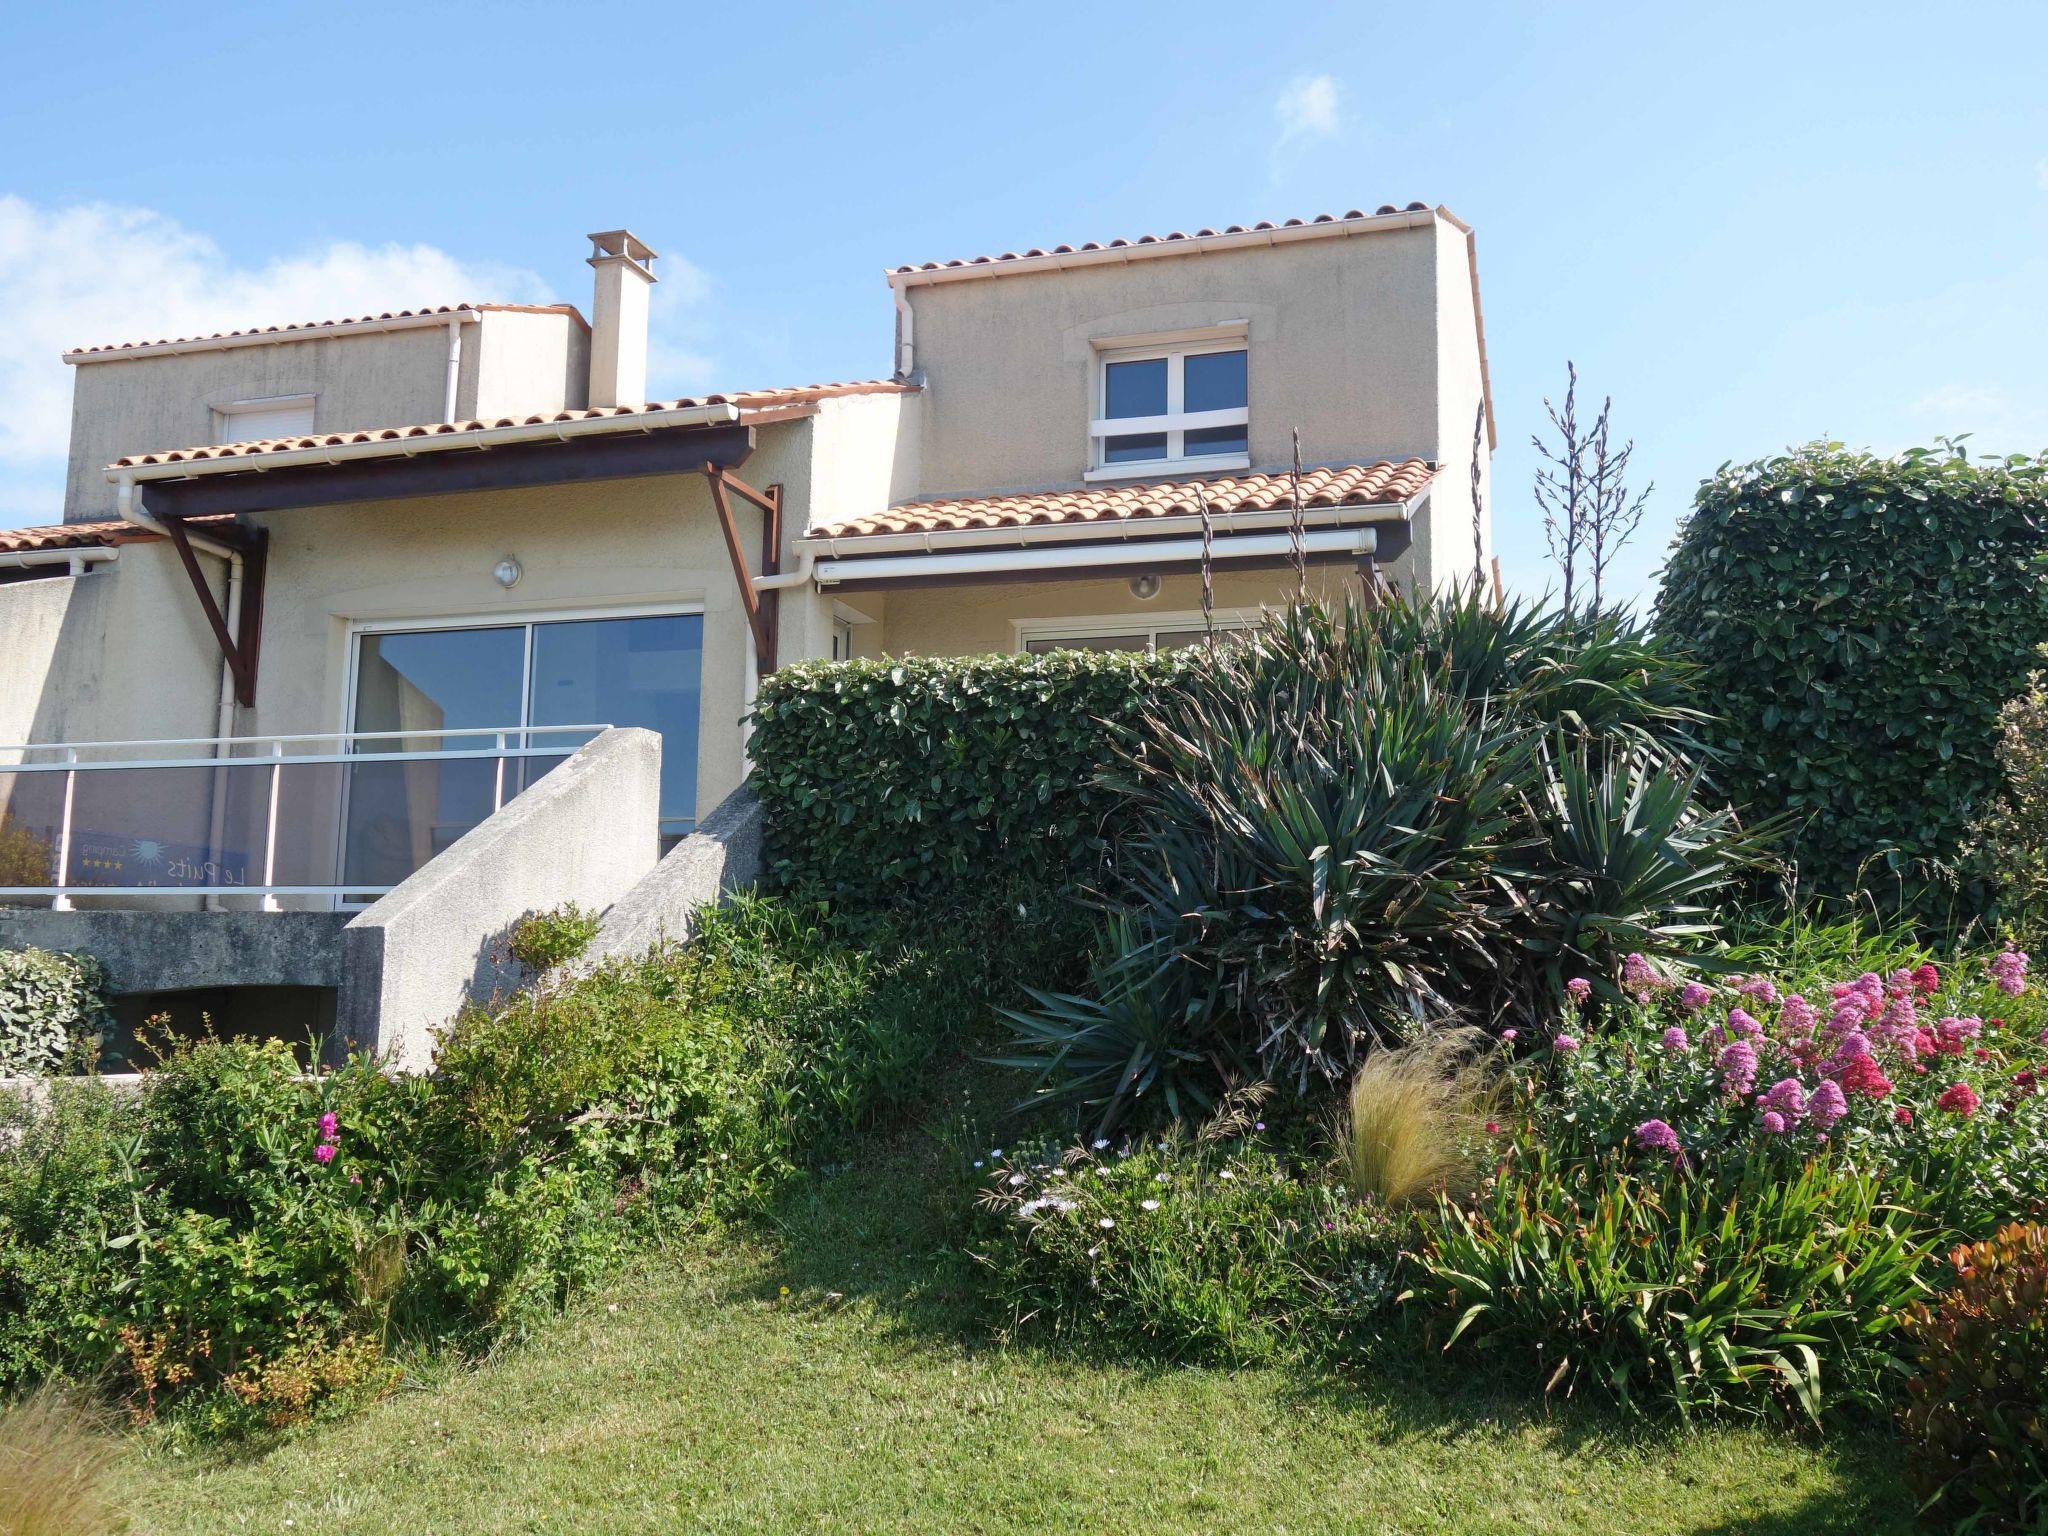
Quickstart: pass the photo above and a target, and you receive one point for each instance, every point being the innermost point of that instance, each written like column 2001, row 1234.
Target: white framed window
column 1127, row 632
column 1162, row 406
column 249, row 421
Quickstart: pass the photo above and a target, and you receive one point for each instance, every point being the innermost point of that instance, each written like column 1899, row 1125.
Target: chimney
column 618, row 318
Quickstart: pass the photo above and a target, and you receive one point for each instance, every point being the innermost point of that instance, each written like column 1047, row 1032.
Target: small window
column 249, row 421
column 1184, row 407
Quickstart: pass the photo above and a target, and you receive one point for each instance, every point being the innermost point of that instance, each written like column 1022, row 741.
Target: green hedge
column 888, row 780
column 1861, row 622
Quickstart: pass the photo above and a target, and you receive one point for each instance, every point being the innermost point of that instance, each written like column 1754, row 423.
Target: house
column 398, row 559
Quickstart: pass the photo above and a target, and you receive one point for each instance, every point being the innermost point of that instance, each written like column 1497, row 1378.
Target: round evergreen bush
column 1860, row 623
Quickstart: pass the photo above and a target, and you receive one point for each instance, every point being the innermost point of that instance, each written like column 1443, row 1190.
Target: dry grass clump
column 54, row 1454
column 1417, row 1118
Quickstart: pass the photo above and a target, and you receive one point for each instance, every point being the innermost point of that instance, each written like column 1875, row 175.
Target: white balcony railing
column 334, row 818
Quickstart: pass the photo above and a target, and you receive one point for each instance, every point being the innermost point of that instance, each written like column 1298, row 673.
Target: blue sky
column 1753, row 225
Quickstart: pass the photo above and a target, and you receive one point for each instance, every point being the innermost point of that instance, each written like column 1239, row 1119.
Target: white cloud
column 93, row 273
column 1996, row 420
column 1309, row 108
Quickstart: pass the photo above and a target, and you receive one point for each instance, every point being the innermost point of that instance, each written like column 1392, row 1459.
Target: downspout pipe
column 448, row 390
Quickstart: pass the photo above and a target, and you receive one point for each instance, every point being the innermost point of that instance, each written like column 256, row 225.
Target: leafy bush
column 52, row 1011
column 1350, row 824
column 901, row 780
column 1976, row 1420
column 542, row 941
column 1929, row 1078
column 2010, row 845
column 1860, row 622
column 247, row 1243
column 1208, row 1248
column 1741, row 1284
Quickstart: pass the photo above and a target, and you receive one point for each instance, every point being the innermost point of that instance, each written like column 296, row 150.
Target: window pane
column 1210, row 441
column 1215, row 381
column 1134, row 389
column 1087, row 643
column 428, row 681
column 1134, row 448
column 627, row 672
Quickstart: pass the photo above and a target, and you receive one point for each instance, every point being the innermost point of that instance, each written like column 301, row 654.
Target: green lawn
column 694, row 1394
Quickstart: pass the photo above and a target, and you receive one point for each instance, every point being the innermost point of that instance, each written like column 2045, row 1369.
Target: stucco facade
column 1364, row 338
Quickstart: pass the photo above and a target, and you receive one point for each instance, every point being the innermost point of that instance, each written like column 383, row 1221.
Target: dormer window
column 1171, row 406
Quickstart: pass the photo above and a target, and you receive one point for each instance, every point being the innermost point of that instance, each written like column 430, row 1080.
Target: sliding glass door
column 456, row 688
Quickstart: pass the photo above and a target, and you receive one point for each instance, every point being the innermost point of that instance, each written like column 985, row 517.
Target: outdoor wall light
column 1145, row 587
column 507, row 572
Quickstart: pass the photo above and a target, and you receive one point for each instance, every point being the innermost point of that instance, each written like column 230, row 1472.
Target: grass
column 827, row 1376
column 1417, row 1113
column 54, row 1456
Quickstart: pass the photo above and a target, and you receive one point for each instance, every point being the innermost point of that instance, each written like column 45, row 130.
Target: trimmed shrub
column 1976, row 1422
column 52, row 1011
column 893, row 781
column 1860, row 622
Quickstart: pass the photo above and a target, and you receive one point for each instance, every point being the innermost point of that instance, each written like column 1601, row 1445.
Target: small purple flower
column 1656, row 1136
column 330, row 1128
column 1565, row 1043
column 1786, row 1099
column 1774, row 1123
column 1508, row 1035
column 1694, row 996
column 1826, row 1106
column 1636, row 974
column 2009, row 971
column 1742, row 1025
column 324, row 1153
column 1578, row 989
column 1797, row 1017
column 1675, row 1041
column 1738, row 1068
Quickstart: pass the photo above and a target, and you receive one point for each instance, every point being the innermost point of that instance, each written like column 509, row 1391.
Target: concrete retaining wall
column 174, row 951
column 587, row 833
column 723, row 855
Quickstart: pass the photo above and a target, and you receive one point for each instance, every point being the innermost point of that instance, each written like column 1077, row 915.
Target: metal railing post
column 62, row 901
column 270, row 902
column 498, row 788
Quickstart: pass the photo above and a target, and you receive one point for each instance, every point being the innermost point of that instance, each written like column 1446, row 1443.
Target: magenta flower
column 1826, row 1106
column 1774, row 1123
column 1578, row 989
column 1566, row 1043
column 1787, row 1100
column 1694, row 996
column 1675, row 1041
column 324, row 1153
column 1738, row 1068
column 1961, row 1099
column 2009, row 971
column 1759, row 989
column 1636, row 974
column 330, row 1128
column 1742, row 1025
column 1656, row 1136
column 1797, row 1017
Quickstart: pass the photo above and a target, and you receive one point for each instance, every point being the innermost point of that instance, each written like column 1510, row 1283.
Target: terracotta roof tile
column 1123, row 242
column 266, row 332
column 1346, row 485
column 84, row 535
column 749, row 402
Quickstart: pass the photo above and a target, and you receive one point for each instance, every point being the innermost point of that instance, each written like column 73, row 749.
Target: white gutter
column 1194, row 245
column 80, row 560
column 431, row 442
column 1148, row 552
column 279, row 337
column 454, row 367
column 1138, row 528
column 906, row 348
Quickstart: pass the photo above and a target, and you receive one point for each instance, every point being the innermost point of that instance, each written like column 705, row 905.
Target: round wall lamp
column 1145, row 587
column 507, row 573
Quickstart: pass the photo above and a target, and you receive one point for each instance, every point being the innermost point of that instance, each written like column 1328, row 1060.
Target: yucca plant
column 1359, row 819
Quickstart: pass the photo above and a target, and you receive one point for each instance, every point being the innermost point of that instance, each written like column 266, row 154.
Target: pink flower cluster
column 2009, row 971
column 330, row 1137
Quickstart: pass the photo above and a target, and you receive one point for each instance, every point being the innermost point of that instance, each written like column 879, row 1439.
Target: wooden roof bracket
column 241, row 649
column 762, row 608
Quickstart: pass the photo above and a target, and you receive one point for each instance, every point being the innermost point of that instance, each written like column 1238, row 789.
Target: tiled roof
column 1346, row 485
column 82, row 535
column 265, row 332
column 1167, row 239
column 749, row 402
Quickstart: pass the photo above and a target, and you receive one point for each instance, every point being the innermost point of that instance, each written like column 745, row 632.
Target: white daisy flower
column 1150, row 1205
column 1106, row 1223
